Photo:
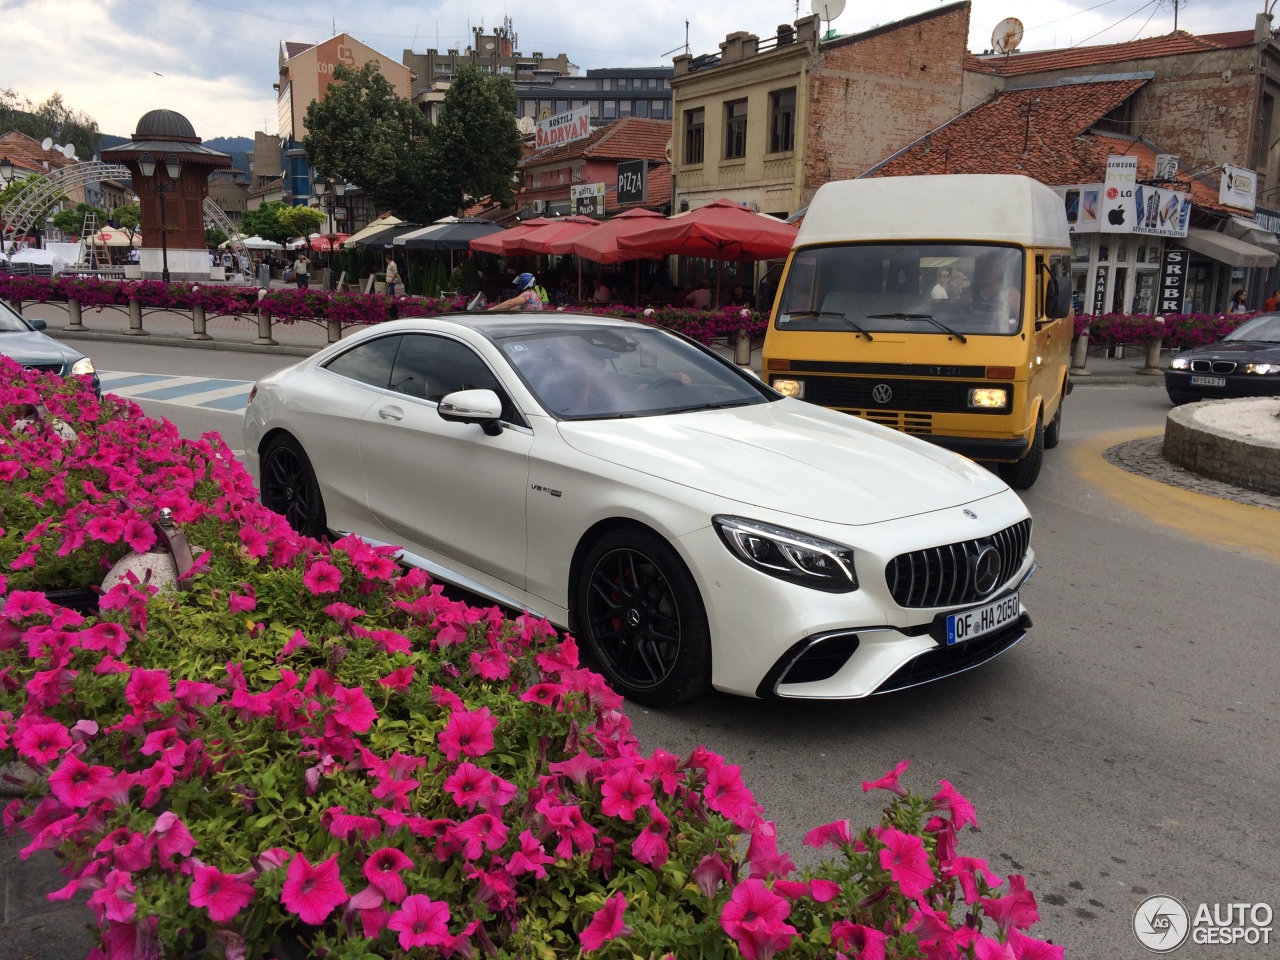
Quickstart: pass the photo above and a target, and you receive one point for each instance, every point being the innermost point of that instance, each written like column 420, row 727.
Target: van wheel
column 1022, row 475
column 1053, row 432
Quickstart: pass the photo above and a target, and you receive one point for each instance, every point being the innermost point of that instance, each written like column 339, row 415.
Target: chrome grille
column 45, row 367
column 1213, row 366
column 943, row 576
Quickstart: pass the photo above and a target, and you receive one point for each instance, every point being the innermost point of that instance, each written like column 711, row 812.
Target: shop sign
column 1267, row 221
column 1081, row 202
column 1100, row 291
column 632, row 180
column 1173, row 280
column 563, row 128
column 1118, row 194
column 588, row 199
column 1239, row 187
column 1159, row 212
column 1166, row 166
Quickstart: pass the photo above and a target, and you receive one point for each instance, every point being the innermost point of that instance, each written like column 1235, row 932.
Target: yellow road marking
column 1207, row 519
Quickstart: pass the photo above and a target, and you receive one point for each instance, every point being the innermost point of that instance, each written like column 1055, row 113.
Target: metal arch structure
column 21, row 214
column 218, row 217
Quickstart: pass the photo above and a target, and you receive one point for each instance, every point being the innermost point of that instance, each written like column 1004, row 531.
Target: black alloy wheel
column 641, row 619
column 289, row 487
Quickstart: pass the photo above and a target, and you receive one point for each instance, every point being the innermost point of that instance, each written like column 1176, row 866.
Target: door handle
column 391, row 413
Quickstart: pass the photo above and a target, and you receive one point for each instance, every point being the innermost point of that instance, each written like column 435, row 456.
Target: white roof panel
column 986, row 207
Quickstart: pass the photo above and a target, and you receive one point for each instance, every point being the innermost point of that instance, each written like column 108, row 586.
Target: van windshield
column 968, row 289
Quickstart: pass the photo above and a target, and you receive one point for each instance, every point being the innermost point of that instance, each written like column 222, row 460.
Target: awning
column 1251, row 232
column 1228, row 250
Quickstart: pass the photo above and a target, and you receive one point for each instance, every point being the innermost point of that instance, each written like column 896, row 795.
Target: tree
column 366, row 133
column 265, row 222
column 475, row 146
column 301, row 221
column 53, row 118
column 214, row 237
column 72, row 221
column 127, row 218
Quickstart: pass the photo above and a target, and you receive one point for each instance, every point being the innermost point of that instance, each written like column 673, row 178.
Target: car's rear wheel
column 1022, row 474
column 289, row 486
column 641, row 620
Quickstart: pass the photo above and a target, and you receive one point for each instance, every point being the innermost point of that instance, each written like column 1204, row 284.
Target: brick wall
column 871, row 97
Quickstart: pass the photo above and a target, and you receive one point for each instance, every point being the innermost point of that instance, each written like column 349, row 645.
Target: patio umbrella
column 108, row 237
column 372, row 227
column 496, row 242
column 257, row 243
column 538, row 240
column 382, row 239
column 601, row 245
column 448, row 236
column 328, row 242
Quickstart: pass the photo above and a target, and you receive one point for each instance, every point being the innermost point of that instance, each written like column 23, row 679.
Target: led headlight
column 789, row 554
column 989, row 398
column 1179, row 363
column 789, row 388
column 82, row 367
column 1260, row 368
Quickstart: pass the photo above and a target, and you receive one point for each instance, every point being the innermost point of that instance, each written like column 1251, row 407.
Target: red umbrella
column 495, row 243
column 722, row 230
column 329, row 242
column 539, row 240
column 601, row 245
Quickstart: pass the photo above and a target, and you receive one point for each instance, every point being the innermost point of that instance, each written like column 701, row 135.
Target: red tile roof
column 990, row 137
column 27, row 154
column 1043, row 61
column 631, row 138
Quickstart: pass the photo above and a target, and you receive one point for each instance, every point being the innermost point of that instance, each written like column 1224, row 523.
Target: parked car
column 1244, row 363
column 24, row 340
column 691, row 526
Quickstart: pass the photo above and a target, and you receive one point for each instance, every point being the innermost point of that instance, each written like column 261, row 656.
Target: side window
column 369, row 363
column 430, row 367
column 1040, row 285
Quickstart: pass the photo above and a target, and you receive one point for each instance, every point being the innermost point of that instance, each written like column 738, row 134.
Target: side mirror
column 1057, row 299
column 481, row 407
column 38, row 324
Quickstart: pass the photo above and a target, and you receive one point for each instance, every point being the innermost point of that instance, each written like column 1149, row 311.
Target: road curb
column 154, row 339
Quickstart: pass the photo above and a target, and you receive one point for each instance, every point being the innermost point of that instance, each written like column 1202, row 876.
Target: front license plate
column 1208, row 381
column 982, row 620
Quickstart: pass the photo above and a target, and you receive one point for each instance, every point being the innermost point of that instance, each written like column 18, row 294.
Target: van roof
column 1005, row 208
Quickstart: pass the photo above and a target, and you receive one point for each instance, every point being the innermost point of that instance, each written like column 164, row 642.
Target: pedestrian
column 1238, row 302
column 526, row 297
column 1272, row 302
column 700, row 297
column 603, row 294
column 226, row 262
column 740, row 297
column 393, row 277
column 301, row 271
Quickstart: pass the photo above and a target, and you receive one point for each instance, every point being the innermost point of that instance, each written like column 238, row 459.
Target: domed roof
column 164, row 125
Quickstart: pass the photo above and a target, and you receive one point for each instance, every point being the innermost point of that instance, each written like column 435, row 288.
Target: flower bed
column 348, row 309
column 1180, row 331
column 310, row 744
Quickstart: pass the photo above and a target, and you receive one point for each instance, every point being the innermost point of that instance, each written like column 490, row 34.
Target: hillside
column 236, row 147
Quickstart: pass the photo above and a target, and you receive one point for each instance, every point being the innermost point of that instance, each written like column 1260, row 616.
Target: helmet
column 524, row 282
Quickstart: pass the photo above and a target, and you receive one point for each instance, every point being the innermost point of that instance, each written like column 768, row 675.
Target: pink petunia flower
column 222, row 895
column 42, row 742
column 105, row 636
column 606, row 924
column 650, row 847
column 905, row 858
column 865, row 943
column 754, row 917
column 950, row 800
column 968, row 870
column 469, row 732
column 833, row 834
column 1016, row 910
column 313, row 892
column 322, row 577
column 763, row 853
column 530, row 858
column 1029, row 948
column 296, row 642
column 889, row 781
column 170, row 835
column 139, row 534
column 624, row 792
column 727, row 795
column 77, row 784
column 421, row 922
column 114, row 899
column 382, row 870
column 242, row 602
column 147, row 688
column 128, row 850
column 353, row 710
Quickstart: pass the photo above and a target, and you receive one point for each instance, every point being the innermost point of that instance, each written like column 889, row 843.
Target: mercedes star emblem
column 881, row 393
column 970, row 514
column 986, row 570
column 633, row 618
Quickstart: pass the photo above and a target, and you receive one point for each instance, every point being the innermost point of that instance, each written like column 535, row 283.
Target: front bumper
column 1238, row 385
column 982, row 449
column 771, row 638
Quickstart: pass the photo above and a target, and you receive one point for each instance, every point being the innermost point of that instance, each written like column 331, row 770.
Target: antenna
column 827, row 10
column 1007, row 35
column 686, row 41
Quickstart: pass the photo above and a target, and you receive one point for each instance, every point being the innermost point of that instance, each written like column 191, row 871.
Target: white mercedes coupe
column 690, row 526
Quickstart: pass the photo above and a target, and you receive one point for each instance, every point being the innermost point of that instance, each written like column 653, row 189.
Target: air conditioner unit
column 539, row 206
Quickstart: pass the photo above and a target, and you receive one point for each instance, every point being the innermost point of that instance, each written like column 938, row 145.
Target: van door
column 1051, row 346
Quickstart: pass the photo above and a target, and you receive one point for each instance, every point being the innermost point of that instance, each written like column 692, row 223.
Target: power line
column 198, row 26
column 1069, row 15
column 1117, row 23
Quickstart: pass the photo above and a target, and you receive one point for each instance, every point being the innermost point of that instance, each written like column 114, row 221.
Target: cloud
column 219, row 57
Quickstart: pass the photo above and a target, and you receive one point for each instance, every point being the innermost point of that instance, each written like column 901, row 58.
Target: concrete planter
column 133, row 271
column 1236, row 441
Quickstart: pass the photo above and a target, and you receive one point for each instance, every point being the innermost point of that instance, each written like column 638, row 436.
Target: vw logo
column 986, row 570
column 633, row 618
column 881, row 393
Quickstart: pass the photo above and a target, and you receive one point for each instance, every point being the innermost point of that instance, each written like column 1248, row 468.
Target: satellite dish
column 827, row 10
column 525, row 125
column 489, row 45
column 1005, row 37
column 46, row 143
column 69, row 151
column 667, row 152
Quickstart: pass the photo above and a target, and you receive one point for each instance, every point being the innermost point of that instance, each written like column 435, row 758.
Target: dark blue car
column 1244, row 363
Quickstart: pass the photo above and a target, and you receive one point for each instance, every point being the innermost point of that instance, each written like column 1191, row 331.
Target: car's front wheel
column 289, row 486
column 640, row 619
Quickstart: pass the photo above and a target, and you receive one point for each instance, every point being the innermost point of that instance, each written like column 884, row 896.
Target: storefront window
column 1118, row 283
column 1144, row 294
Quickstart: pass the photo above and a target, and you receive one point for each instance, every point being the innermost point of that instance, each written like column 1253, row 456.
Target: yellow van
column 939, row 306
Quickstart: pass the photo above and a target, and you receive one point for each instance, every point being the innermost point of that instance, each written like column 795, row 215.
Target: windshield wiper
column 831, row 313
column 919, row 316
column 722, row 405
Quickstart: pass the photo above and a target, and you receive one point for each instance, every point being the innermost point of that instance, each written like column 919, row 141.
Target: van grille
column 943, row 576
column 917, row 423
column 925, row 396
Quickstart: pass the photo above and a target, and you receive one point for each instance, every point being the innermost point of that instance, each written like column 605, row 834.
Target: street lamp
column 328, row 192
column 173, row 167
column 6, row 170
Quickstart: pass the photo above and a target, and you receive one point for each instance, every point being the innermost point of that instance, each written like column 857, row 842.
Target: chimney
column 786, row 34
column 1262, row 28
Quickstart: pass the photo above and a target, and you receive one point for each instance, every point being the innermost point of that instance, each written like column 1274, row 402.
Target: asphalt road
column 1128, row 747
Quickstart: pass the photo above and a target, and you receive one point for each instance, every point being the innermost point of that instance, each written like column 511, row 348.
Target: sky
column 215, row 60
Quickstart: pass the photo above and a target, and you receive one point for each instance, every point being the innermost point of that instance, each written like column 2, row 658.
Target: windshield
column 905, row 288
column 1265, row 328
column 10, row 322
column 590, row 373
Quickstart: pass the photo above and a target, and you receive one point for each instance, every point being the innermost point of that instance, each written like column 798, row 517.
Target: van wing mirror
column 1057, row 299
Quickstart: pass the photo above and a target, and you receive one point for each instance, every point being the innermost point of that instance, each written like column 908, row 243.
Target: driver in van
column 990, row 286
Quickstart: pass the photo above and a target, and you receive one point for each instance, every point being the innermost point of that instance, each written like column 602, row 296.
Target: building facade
column 609, row 94
column 495, row 52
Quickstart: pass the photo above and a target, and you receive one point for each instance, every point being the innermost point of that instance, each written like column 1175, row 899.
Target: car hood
column 791, row 457
column 35, row 347
column 1241, row 351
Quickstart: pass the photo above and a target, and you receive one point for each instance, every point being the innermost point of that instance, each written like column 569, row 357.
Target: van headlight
column 989, row 398
column 789, row 388
column 1179, row 363
column 789, row 555
column 82, row 367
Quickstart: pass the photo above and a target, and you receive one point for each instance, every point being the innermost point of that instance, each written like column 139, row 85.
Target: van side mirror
column 1057, row 299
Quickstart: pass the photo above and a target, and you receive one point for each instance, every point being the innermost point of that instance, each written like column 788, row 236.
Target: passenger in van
column 940, row 287
column 957, row 285
column 989, row 285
